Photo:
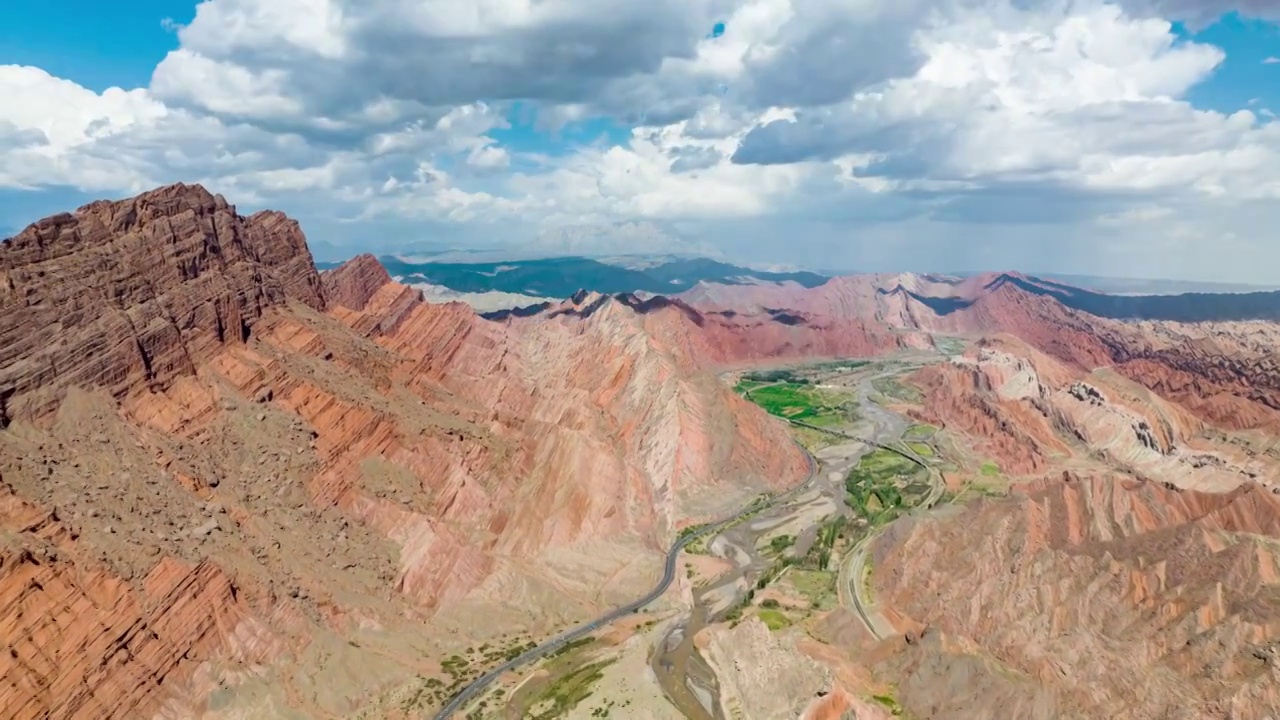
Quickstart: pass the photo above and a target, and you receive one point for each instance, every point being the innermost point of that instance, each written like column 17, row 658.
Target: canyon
column 236, row 462
column 234, row 486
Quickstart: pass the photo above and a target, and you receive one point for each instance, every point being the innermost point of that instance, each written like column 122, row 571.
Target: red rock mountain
column 130, row 295
column 1061, row 599
column 219, row 468
column 1227, row 373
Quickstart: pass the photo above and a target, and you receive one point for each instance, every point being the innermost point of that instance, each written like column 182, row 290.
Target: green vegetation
column 567, row 691
column 780, row 543
column 819, row 555
column 874, row 488
column 774, row 619
column 837, row 366
column 769, row 603
column 692, row 529
column 924, row 450
column 461, row 668
column 990, row 469
column 889, row 702
column 572, row 645
column 919, row 432
column 795, row 401
column 817, row 586
column 813, row 440
column 949, row 345
column 893, row 387
column 774, row 376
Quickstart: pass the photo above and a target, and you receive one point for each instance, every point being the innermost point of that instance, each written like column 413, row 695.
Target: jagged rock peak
column 130, row 294
column 354, row 282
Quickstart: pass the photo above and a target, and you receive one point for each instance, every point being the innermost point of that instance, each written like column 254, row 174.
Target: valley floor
column 797, row 609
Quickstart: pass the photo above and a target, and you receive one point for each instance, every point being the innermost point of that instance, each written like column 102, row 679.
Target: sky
column 1128, row 138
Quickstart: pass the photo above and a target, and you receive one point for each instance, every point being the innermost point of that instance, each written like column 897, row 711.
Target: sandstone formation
column 1029, row 413
column 1091, row 587
column 129, row 295
column 223, row 467
column 719, row 338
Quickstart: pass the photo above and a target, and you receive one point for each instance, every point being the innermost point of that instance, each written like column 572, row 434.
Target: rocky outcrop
column 1026, row 411
column 354, row 282
column 1087, row 393
column 82, row 642
column 130, row 295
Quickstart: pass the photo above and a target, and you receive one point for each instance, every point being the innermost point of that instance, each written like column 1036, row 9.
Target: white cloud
column 1271, row 60
column 222, row 27
column 223, row 87
column 854, row 114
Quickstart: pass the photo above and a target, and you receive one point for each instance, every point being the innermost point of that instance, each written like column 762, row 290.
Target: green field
column 797, row 401
column 837, row 366
column 884, row 485
column 924, row 450
column 990, row 469
column 774, row 619
column 919, row 432
column 818, row 586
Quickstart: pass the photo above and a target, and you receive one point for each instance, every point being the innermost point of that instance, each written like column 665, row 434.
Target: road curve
column 477, row 686
column 849, row 579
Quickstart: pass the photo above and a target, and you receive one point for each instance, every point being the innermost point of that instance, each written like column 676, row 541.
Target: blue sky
column 96, row 44
column 1244, row 77
column 1098, row 136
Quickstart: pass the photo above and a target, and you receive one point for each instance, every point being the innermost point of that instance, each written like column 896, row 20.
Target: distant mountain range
column 563, row 276
column 1182, row 307
column 497, row 285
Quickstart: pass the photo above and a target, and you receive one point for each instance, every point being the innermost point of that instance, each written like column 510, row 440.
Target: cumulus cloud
column 846, row 117
column 1076, row 98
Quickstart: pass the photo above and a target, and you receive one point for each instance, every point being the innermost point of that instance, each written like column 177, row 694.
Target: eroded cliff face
column 1091, row 587
column 129, row 295
column 708, row 335
column 252, row 465
column 1030, row 413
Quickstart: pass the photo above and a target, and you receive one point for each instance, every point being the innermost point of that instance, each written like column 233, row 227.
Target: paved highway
column 477, row 686
column 849, row 580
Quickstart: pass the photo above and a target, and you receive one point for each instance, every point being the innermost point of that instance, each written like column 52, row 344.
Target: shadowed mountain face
column 1186, row 307
column 561, row 277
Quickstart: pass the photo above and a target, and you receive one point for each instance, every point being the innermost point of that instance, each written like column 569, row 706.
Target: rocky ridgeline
column 129, row 295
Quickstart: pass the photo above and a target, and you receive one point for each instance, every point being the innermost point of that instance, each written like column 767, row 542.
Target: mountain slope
column 1226, row 372
column 1078, row 590
column 223, row 469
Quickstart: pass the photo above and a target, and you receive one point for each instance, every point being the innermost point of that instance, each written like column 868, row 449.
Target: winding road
column 852, row 570
column 477, row 686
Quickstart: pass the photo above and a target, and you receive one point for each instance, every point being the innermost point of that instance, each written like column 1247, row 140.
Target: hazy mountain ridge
column 563, row 276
